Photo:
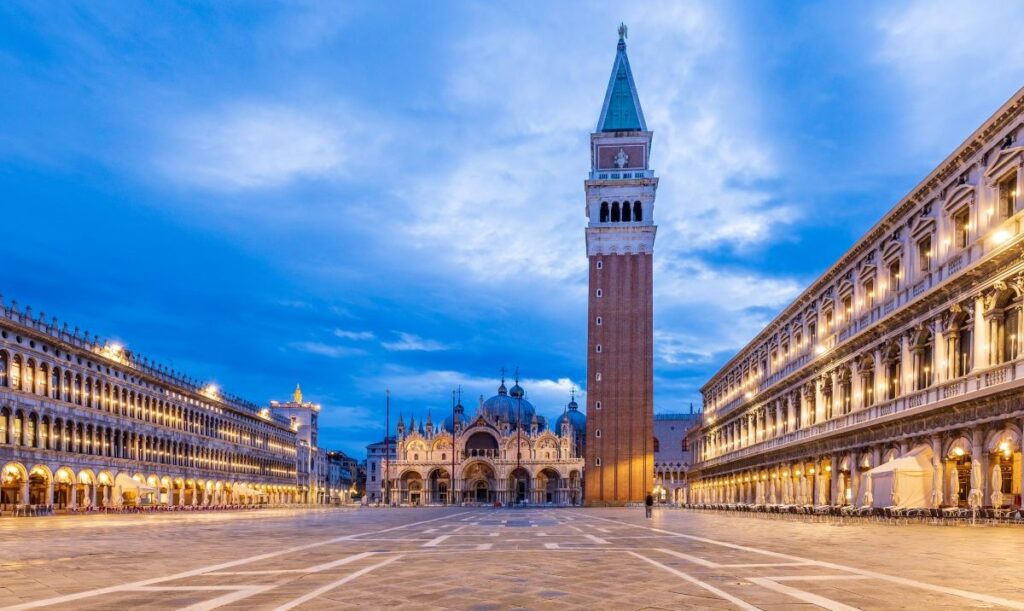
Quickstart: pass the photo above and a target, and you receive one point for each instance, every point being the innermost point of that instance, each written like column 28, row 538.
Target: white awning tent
column 910, row 476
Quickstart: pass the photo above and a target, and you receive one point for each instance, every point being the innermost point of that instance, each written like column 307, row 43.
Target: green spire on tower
column 621, row 111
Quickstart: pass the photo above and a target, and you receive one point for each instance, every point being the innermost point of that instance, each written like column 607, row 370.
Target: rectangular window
column 1011, row 320
column 962, row 227
column 894, row 276
column 869, row 294
column 964, row 351
column 924, row 254
column 848, row 307
column 868, row 381
column 893, row 374
column 924, row 371
column 1007, row 188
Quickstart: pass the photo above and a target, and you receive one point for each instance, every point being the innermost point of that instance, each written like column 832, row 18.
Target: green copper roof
column 621, row 111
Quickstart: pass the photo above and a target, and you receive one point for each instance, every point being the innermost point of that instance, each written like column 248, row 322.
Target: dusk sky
column 390, row 194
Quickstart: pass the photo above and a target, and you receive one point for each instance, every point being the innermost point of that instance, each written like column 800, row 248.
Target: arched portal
column 482, row 444
column 13, row 479
column 438, row 486
column 411, row 488
column 549, row 486
column 519, row 486
column 478, row 483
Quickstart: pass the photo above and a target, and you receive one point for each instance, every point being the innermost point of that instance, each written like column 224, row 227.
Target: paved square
column 500, row 559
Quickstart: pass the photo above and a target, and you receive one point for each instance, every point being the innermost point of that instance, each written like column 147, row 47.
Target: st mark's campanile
column 620, row 244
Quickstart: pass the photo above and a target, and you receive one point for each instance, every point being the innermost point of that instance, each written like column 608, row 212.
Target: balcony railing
column 977, row 380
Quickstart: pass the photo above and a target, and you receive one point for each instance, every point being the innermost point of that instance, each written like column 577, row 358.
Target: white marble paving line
column 807, row 597
column 977, row 596
column 697, row 582
column 240, row 593
column 334, row 584
column 312, row 569
column 436, row 541
column 57, row 600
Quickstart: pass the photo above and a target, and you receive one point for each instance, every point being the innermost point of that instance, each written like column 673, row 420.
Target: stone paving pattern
column 478, row 559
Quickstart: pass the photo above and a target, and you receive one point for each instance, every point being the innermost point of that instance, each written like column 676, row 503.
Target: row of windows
column 18, row 428
column 684, row 445
column 621, row 213
column 853, row 300
column 24, row 374
column 884, row 379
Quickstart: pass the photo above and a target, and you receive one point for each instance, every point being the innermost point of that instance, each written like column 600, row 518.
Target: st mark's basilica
column 505, row 453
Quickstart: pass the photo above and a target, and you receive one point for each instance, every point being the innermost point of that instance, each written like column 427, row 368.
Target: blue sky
column 389, row 195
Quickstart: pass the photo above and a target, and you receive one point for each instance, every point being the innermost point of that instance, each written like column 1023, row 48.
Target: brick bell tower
column 620, row 244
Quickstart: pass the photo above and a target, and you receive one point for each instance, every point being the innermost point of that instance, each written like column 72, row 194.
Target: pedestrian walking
column 649, row 504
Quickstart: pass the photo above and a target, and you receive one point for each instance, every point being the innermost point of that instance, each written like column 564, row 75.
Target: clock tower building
column 620, row 244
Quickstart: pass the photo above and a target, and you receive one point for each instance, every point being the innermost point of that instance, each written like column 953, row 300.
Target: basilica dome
column 460, row 414
column 577, row 419
column 506, row 406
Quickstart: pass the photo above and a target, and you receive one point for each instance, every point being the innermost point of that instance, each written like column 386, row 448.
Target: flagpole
column 451, row 478
column 387, row 446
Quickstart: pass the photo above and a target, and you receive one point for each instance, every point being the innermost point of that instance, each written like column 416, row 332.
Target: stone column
column 854, row 479
column 1020, row 475
column 856, row 383
column 980, row 453
column 789, row 411
column 834, row 481
column 906, row 381
column 940, row 364
column 49, row 492
column 980, row 356
column 25, row 492
column 938, row 464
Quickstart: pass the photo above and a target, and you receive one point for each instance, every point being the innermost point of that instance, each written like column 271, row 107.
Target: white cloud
column 686, row 281
column 416, row 391
column 354, row 335
column 513, row 201
column 407, row 342
column 943, row 50
column 328, row 350
column 254, row 146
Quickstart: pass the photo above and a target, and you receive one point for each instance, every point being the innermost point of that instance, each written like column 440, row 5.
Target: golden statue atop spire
column 297, row 397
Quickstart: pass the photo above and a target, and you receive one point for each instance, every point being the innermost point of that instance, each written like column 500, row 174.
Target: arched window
column 685, row 445
column 44, row 380
column 615, row 212
column 16, row 372
column 16, row 428
column 604, row 212
column 625, row 212
column 657, row 445
column 867, row 382
column 55, row 383
column 638, row 212
column 3, row 369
